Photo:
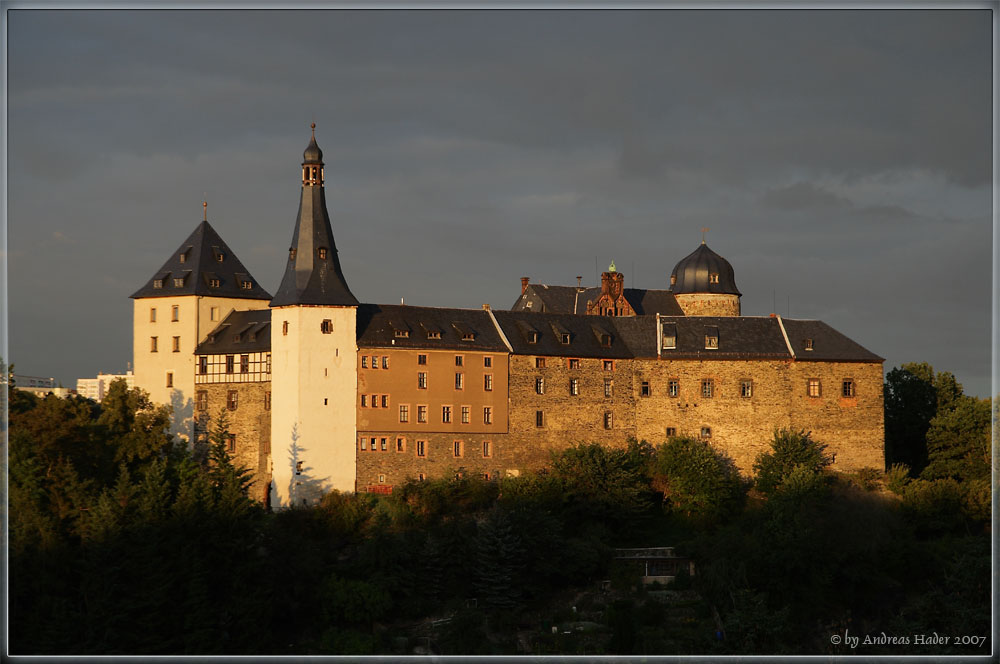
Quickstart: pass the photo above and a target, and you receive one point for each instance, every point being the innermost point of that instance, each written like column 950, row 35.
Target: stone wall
column 708, row 304
column 250, row 422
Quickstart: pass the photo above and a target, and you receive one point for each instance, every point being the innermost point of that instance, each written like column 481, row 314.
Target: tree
column 697, row 479
column 789, row 450
column 910, row 405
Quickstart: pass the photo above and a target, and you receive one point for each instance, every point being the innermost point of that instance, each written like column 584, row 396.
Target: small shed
column 660, row 564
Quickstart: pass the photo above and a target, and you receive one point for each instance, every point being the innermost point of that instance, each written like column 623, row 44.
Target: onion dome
column 703, row 271
column 312, row 155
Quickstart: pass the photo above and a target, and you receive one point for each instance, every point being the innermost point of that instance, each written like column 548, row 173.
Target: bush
column 697, row 479
column 897, row 477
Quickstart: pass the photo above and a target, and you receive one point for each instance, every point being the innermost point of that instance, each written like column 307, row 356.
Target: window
column 247, row 285
column 487, row 361
column 298, row 467
column 177, row 344
column 706, row 432
column 457, row 448
column 202, row 400
column 291, row 254
column 421, row 449
column 669, row 338
column 459, row 380
column 374, row 401
column 488, row 382
column 219, row 256
column 232, row 443
column 539, row 418
column 404, row 412
column 608, row 387
column 267, row 401
column 152, row 314
column 284, row 328
column 364, row 361
column 711, row 337
column 364, row 400
column 326, row 402
column 152, row 344
column 671, row 432
column 459, row 359
column 707, row 388
column 374, row 361
column 385, row 361
column 847, row 387
column 230, row 363
column 203, row 364
column 364, row 445
column 813, row 387
column 382, row 444
column 487, row 415
column 213, row 283
column 421, row 359
column 644, row 388
column 807, row 344
column 746, row 389
column 564, row 338
column 322, row 253
column 400, row 444
column 326, row 326
column 402, row 334
column 157, row 283
column 609, row 365
column 213, row 313
column 381, row 479
column 420, row 476
column 539, row 386
column 606, row 340
column 673, row 387
column 422, row 414
column 178, row 282
column 385, row 400
column 713, row 278
column 574, row 387
column 170, row 379
column 446, row 414
column 574, row 363
column 422, row 380
column 232, row 399
column 487, row 449
column 244, row 364
column 465, row 414
column 267, row 363
column 539, row 362
column 608, row 420
column 434, row 334
column 533, row 337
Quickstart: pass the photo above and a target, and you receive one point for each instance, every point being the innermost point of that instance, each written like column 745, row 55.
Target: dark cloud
column 840, row 158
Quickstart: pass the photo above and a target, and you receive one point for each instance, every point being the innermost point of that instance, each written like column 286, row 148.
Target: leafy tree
column 138, row 427
column 697, row 479
column 789, row 449
column 910, row 405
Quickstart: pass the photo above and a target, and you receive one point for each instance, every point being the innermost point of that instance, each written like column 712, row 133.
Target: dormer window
column 236, row 338
column 711, row 338
column 669, row 339
column 713, row 278
column 532, row 337
column 606, row 340
column 564, row 338
column 469, row 336
column 402, row 334
column 247, row 285
column 179, row 282
column 214, row 283
column 219, row 256
column 322, row 253
column 808, row 344
column 434, row 334
column 673, row 279
column 291, row 254
column 183, row 257
column 157, row 283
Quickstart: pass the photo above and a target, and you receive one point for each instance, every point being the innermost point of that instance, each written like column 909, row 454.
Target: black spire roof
column 692, row 274
column 203, row 265
column 313, row 274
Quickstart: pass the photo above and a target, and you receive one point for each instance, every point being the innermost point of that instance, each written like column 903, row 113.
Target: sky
column 841, row 161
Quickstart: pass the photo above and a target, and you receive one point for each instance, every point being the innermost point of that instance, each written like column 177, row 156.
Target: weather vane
column 703, row 231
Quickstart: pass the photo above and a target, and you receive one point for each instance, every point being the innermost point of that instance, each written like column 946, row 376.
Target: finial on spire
column 611, row 268
column 703, row 231
column 204, row 208
column 313, row 127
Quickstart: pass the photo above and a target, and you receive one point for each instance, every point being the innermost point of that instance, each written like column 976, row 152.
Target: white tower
column 314, row 357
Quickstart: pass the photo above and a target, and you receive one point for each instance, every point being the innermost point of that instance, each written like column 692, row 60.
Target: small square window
column 807, row 344
column 421, row 359
column 381, row 479
column 487, row 361
column 644, row 388
column 564, row 338
column 671, row 432
column 322, row 253
column 574, row 363
column 539, row 362
column 179, row 282
column 420, row 476
column 157, row 283
column 847, row 388
column 213, row 283
column 746, row 389
column 326, row 326
column 706, row 432
column 609, row 365
column 246, row 285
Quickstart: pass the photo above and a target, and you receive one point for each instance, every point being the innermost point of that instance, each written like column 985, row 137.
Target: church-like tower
column 703, row 283
column 314, row 357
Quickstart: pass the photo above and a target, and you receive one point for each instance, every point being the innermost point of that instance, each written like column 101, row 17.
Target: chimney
column 524, row 284
column 578, row 280
column 486, row 307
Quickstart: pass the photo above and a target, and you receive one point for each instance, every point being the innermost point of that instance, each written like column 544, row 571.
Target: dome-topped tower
column 703, row 283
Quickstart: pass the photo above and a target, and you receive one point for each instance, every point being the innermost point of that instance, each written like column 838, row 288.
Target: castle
column 324, row 392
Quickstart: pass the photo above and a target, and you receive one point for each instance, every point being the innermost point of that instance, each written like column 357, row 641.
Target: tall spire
column 313, row 274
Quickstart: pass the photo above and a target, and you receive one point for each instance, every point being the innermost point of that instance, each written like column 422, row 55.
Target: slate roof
column 739, row 337
column 691, row 274
column 828, row 343
column 239, row 332
column 585, row 334
column 312, row 277
column 203, row 256
column 573, row 300
column 380, row 324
